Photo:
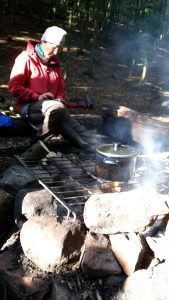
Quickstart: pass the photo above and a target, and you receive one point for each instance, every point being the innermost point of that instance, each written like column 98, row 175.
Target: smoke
column 144, row 47
column 153, row 160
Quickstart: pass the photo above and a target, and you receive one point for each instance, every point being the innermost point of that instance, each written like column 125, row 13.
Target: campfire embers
column 117, row 186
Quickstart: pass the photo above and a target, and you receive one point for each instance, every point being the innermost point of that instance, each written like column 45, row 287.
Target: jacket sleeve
column 19, row 78
column 61, row 91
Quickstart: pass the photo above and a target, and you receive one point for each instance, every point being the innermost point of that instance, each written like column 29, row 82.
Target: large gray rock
column 49, row 244
column 35, row 202
column 130, row 211
column 147, row 284
column 15, row 178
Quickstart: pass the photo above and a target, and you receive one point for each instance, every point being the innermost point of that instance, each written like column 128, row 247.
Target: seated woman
column 37, row 83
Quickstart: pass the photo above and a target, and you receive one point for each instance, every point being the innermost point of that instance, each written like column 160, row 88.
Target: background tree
column 145, row 20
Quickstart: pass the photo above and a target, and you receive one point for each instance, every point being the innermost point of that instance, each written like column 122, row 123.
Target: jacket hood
column 30, row 48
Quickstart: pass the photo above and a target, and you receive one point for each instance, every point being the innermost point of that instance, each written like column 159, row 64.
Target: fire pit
column 72, row 178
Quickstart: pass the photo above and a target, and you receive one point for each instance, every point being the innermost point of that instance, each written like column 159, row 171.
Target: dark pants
column 50, row 117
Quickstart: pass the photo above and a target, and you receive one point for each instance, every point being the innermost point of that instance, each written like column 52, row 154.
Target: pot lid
column 116, row 150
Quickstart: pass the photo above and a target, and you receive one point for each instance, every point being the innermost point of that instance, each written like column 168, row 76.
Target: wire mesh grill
column 71, row 179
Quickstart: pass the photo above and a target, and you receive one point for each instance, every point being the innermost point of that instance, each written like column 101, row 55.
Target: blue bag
column 5, row 121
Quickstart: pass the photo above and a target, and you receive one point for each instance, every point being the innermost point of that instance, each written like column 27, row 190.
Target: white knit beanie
column 54, row 35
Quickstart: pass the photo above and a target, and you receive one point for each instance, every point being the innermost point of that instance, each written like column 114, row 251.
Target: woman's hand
column 46, row 96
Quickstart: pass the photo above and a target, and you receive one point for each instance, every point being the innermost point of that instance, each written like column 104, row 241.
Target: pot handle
column 110, row 161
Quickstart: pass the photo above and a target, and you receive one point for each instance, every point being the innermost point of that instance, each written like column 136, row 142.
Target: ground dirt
column 113, row 82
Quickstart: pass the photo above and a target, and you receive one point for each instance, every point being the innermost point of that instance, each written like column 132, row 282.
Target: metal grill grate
column 71, row 178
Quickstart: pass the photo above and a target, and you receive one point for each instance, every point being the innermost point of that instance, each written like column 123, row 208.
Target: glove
column 46, row 96
column 85, row 103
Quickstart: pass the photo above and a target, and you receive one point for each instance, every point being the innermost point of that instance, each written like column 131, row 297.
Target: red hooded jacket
column 30, row 78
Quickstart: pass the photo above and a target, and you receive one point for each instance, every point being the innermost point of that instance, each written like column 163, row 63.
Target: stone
column 61, row 291
column 112, row 213
column 115, row 280
column 15, row 178
column 34, row 202
column 98, row 259
column 147, row 284
column 50, row 244
column 128, row 250
column 160, row 247
column 158, row 225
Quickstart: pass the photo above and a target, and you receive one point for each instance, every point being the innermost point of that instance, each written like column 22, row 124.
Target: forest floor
column 114, row 79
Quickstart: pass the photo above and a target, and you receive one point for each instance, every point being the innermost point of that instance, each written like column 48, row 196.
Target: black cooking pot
column 115, row 162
